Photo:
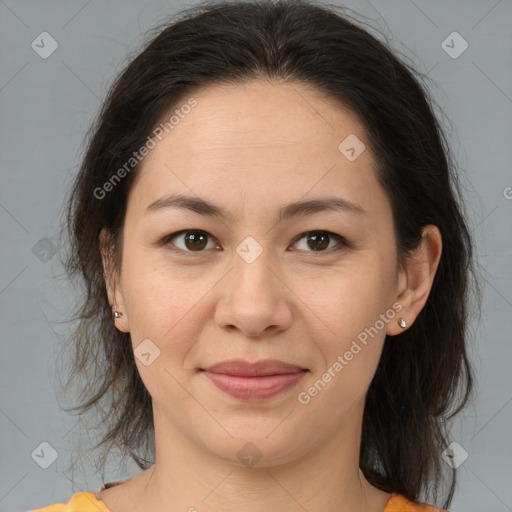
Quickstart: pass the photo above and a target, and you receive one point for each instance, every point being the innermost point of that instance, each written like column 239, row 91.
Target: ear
column 114, row 290
column 415, row 281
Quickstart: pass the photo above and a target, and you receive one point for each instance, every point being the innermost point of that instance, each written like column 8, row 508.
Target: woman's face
column 266, row 281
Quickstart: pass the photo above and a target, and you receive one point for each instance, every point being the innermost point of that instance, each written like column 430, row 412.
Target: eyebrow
column 299, row 208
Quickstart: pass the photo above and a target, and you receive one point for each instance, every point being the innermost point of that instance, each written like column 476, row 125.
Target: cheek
column 160, row 306
column 354, row 310
column 157, row 295
column 155, row 303
column 349, row 355
column 352, row 299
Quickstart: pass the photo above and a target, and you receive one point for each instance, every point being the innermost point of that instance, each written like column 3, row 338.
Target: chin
column 257, row 449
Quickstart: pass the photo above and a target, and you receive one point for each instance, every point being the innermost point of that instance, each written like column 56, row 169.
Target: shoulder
column 399, row 503
column 79, row 502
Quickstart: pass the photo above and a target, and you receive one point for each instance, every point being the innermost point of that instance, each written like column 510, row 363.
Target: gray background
column 46, row 106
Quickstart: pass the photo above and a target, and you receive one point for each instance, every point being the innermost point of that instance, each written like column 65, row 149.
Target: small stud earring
column 115, row 313
column 402, row 323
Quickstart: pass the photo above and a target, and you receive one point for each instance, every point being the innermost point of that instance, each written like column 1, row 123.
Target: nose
column 254, row 299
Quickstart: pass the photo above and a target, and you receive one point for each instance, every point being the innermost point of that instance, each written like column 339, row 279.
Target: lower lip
column 254, row 388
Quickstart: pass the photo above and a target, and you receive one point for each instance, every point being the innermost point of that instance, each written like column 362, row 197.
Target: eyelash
column 166, row 241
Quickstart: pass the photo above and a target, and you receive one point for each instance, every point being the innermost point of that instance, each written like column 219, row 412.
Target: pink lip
column 254, row 381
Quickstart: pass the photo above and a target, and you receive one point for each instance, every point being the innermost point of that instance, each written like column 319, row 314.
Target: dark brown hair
column 424, row 377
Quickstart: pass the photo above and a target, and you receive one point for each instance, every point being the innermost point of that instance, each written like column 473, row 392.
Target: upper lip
column 243, row 368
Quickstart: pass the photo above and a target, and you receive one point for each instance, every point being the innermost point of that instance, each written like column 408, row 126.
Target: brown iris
column 319, row 241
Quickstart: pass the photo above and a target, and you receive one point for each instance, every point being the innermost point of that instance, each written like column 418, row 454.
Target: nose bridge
column 252, row 262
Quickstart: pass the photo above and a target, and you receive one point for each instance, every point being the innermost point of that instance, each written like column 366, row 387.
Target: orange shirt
column 87, row 502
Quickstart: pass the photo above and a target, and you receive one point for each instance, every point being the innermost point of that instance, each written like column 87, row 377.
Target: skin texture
column 252, row 149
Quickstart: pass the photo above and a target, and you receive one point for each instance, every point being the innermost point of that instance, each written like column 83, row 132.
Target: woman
column 268, row 208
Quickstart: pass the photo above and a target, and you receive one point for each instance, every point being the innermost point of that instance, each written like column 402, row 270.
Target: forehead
column 256, row 138
column 264, row 114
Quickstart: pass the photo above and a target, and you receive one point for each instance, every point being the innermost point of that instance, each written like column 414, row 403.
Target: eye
column 197, row 241
column 192, row 240
column 319, row 241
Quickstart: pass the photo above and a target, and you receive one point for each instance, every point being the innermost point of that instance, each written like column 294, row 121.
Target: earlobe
column 118, row 319
column 416, row 280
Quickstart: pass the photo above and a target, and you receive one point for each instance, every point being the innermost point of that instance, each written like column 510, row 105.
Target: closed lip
column 243, row 368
